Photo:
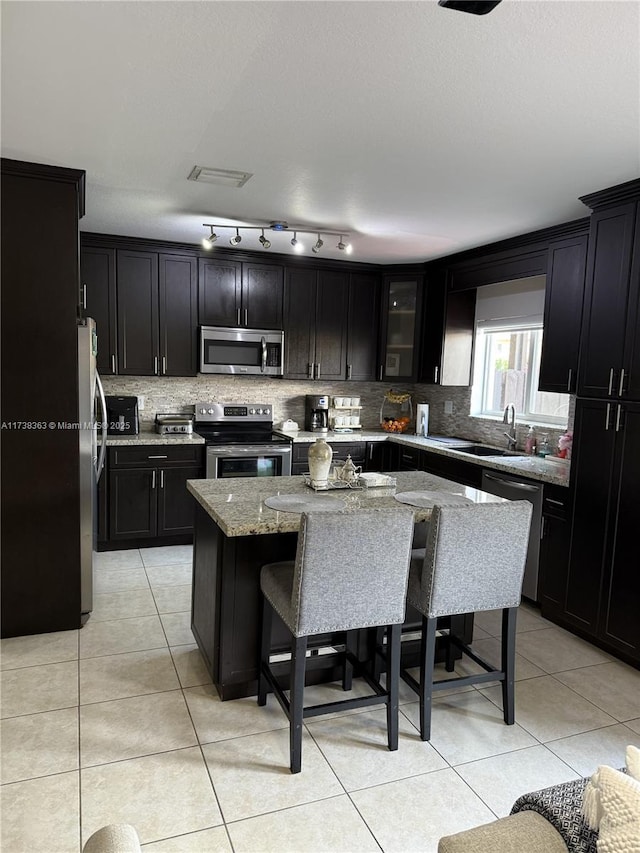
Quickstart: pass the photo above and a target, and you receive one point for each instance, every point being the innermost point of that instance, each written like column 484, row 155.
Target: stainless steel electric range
column 240, row 441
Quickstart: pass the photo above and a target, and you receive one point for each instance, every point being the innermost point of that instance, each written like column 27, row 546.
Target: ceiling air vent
column 222, row 177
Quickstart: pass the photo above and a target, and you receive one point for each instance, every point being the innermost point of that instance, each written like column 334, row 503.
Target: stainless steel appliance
column 317, row 413
column 245, row 352
column 174, row 424
column 122, row 415
column 91, row 460
column 240, row 441
column 422, row 419
column 506, row 486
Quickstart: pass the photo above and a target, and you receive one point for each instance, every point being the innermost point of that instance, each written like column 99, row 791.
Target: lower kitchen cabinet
column 554, row 550
column 147, row 495
column 467, row 473
column 341, row 449
column 603, row 583
column 382, row 456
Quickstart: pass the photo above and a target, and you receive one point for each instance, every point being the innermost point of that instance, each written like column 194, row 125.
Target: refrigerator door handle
column 103, row 445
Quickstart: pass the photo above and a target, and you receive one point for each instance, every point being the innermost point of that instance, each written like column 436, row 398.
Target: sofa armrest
column 525, row 832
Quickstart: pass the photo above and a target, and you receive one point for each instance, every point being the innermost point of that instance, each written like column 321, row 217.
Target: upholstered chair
column 350, row 572
column 473, row 560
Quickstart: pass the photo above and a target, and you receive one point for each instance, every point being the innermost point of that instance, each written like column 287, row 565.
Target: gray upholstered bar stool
column 350, row 572
column 473, row 560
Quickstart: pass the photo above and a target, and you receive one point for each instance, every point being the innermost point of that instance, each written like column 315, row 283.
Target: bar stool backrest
column 475, row 557
column 351, row 569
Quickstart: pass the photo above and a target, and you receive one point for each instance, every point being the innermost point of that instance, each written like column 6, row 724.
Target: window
column 506, row 370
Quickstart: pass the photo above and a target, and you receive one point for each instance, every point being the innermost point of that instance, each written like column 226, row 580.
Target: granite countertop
column 151, row 437
column 237, row 505
column 531, row 467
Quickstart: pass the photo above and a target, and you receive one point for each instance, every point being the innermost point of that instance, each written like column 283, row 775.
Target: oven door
column 244, row 460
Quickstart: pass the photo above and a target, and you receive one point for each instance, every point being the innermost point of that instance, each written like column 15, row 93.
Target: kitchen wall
column 169, row 394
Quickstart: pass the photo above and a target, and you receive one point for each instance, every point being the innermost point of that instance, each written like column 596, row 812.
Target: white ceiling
column 420, row 130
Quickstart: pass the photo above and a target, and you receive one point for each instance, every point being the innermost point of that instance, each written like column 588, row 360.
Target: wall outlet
column 448, row 407
column 140, row 403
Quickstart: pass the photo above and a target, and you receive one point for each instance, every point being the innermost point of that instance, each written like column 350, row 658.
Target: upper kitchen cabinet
column 363, row 326
column 240, row 294
column 564, row 291
column 447, row 334
column 315, row 324
column 610, row 345
column 98, row 279
column 157, row 316
column 402, row 295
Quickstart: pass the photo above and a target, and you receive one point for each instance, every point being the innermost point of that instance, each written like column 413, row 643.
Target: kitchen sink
column 483, row 450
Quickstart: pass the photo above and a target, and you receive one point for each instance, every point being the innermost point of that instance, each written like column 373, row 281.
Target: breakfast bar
column 237, row 532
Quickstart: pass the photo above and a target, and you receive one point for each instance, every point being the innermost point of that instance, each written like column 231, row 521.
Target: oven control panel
column 230, row 413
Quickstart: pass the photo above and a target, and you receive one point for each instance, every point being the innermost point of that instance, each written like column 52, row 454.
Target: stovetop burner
column 236, row 423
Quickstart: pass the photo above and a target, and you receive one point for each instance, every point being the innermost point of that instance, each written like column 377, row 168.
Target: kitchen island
column 236, row 533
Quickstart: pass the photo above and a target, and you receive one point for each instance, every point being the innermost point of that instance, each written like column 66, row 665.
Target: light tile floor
column 119, row 722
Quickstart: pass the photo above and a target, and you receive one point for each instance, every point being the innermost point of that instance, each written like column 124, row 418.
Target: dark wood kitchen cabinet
column 240, row 294
column 562, row 323
column 402, row 303
column 157, row 314
column 554, row 550
column 363, row 326
column 98, row 279
column 603, row 583
column 315, row 323
column 448, row 329
column 147, row 492
column 610, row 347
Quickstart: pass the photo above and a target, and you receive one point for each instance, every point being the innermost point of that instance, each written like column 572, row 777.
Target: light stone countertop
column 531, row 467
column 151, row 437
column 237, row 504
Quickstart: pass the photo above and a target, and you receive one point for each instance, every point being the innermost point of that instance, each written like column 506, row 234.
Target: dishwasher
column 506, row 486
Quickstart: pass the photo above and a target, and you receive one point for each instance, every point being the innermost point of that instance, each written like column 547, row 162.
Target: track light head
column 237, row 239
column 266, row 244
column 207, row 242
column 297, row 245
column 319, row 244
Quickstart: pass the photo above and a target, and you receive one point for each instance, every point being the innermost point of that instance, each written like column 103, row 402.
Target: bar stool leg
column 349, row 646
column 265, row 649
column 509, row 615
column 427, row 661
column 394, row 633
column 298, row 660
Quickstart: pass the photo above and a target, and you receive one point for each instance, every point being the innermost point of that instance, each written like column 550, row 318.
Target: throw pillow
column 612, row 806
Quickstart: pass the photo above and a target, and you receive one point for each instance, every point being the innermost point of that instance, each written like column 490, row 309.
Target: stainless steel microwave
column 245, row 352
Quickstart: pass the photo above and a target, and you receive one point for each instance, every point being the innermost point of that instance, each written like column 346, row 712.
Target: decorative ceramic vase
column 320, row 456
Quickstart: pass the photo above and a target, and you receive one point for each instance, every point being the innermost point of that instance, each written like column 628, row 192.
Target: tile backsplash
column 178, row 394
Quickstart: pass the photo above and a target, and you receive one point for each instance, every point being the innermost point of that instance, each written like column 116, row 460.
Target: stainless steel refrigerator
column 90, row 402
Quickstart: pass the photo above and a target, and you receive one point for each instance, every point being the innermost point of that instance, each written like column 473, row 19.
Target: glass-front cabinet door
column 401, row 329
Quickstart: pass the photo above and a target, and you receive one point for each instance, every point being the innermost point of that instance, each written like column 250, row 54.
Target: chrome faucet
column 509, row 417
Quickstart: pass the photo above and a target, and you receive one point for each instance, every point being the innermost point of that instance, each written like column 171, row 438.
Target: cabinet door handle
column 246, row 316
column 113, row 364
column 371, row 452
column 348, row 371
column 610, row 381
column 162, row 478
column 317, row 370
column 156, row 457
column 619, row 422
column 554, row 502
column 436, row 371
column 164, row 365
column 569, row 378
column 153, row 479
column 607, row 416
column 310, row 366
column 380, row 371
column 238, row 316
column 621, row 385
column 84, row 296
column 155, row 365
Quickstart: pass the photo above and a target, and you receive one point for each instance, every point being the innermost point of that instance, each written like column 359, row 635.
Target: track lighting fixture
column 208, row 242
column 276, row 226
column 266, row 244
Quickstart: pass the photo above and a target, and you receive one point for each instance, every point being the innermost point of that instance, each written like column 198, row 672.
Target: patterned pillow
column 612, row 806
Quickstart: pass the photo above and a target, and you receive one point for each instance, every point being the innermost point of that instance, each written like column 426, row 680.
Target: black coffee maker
column 316, row 413
column 122, row 415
